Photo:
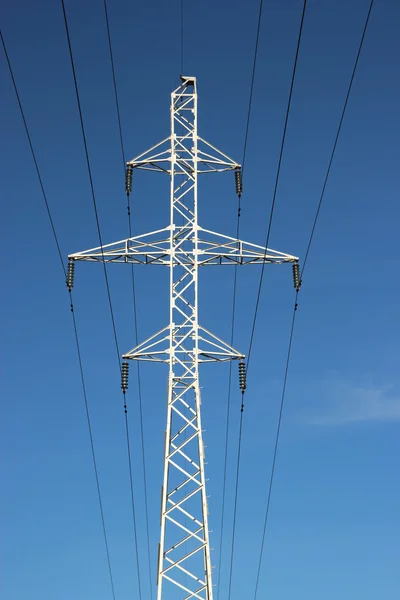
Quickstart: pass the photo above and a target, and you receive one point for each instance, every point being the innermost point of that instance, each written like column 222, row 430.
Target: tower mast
column 184, row 564
column 183, row 499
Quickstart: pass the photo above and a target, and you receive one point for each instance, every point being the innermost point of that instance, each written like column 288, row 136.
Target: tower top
column 188, row 80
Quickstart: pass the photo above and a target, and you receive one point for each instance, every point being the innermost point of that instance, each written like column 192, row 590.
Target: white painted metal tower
column 184, row 564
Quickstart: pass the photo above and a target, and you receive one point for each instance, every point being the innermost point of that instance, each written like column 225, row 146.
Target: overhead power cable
column 253, row 77
column 121, row 137
column 277, row 436
column 33, row 156
column 182, row 39
column 289, row 103
column 77, row 342
column 135, row 319
column 337, row 134
column 72, row 62
column 89, row 170
column 277, row 178
column 228, row 411
column 288, row 357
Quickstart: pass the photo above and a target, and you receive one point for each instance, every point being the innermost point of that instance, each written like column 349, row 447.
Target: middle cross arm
column 154, row 248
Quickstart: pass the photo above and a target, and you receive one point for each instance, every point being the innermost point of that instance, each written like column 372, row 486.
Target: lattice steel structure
column 184, row 564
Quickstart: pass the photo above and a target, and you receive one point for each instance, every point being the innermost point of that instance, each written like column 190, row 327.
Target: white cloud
column 342, row 402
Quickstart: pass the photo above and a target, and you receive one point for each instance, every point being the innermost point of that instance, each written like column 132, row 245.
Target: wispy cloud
column 341, row 402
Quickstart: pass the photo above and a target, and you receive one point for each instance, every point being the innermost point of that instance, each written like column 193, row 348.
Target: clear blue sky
column 334, row 524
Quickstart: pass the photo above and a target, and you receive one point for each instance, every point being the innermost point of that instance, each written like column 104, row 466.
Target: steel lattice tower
column 184, row 565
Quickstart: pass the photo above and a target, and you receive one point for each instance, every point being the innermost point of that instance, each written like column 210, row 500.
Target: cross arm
column 218, row 249
column 213, row 248
column 158, row 158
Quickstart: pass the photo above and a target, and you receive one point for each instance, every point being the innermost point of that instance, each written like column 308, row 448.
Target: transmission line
column 234, row 300
column 123, row 156
column 278, row 431
column 106, row 282
column 338, row 133
column 299, row 38
column 182, row 16
column 253, row 75
column 89, row 169
column 288, row 357
column 33, row 155
column 121, row 137
column 76, row 336
column 277, row 178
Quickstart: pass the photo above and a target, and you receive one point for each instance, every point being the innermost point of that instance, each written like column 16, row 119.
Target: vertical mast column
column 184, row 565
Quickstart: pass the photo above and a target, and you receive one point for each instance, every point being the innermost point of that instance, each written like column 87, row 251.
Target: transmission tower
column 184, row 564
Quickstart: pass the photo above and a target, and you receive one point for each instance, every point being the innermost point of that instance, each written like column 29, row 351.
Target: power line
column 337, row 134
column 77, row 343
column 228, row 411
column 92, row 443
column 288, row 357
column 277, row 178
column 123, row 156
column 34, row 156
column 253, row 75
column 261, row 280
column 234, row 306
column 278, row 431
column 94, row 202
column 239, row 451
column 182, row 15
column 106, row 282
column 121, row 137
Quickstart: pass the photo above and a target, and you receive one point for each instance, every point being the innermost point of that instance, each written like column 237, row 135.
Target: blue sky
column 334, row 521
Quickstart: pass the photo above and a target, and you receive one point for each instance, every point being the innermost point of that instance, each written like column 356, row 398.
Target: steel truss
column 184, row 564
